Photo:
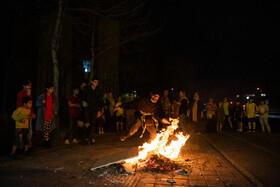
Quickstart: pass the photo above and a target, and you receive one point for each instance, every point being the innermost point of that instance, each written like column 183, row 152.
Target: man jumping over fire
column 148, row 112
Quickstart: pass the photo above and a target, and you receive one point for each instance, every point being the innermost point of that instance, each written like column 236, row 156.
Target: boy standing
column 22, row 117
column 74, row 106
column 251, row 110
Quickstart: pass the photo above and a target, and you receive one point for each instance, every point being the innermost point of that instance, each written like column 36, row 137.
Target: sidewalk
column 69, row 165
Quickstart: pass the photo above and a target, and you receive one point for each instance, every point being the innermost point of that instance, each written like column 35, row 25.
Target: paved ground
column 69, row 165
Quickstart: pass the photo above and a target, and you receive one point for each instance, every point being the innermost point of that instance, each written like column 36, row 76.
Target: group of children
column 47, row 110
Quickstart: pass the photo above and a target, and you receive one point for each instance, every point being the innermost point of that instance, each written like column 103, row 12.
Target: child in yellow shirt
column 22, row 117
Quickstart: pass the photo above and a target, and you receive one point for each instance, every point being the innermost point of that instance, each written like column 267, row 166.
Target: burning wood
column 159, row 155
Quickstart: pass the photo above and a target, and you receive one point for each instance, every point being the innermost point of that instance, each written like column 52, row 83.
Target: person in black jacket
column 93, row 104
column 149, row 113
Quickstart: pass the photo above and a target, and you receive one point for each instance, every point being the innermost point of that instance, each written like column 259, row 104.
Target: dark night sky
column 205, row 46
column 225, row 41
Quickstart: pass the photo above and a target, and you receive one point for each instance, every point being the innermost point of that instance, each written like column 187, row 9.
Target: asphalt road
column 256, row 155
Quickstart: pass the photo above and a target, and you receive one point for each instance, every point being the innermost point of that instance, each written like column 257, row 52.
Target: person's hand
column 28, row 91
column 33, row 116
column 98, row 114
column 43, row 101
column 165, row 121
column 118, row 108
column 87, row 125
column 84, row 104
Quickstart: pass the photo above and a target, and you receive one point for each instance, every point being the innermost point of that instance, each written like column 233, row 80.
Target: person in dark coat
column 149, row 112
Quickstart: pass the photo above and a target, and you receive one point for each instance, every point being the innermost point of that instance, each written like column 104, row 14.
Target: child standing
column 101, row 121
column 22, row 116
column 47, row 110
column 119, row 115
column 74, row 108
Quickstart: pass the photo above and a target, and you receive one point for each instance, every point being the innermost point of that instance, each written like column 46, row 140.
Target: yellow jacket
column 22, row 117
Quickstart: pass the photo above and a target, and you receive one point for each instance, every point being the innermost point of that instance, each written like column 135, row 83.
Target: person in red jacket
column 26, row 92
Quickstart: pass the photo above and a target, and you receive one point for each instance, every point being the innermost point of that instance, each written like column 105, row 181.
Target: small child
column 101, row 121
column 22, row 116
column 119, row 115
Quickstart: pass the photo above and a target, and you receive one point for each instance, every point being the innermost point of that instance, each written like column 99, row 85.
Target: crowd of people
column 90, row 112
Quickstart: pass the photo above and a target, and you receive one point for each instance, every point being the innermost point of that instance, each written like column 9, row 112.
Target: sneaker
column 91, row 142
column 12, row 157
column 48, row 144
column 67, row 142
column 102, row 132
column 75, row 140
column 254, row 131
column 26, row 153
column 249, row 131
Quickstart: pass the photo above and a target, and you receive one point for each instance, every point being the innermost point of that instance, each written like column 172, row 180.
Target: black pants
column 91, row 115
column 21, row 134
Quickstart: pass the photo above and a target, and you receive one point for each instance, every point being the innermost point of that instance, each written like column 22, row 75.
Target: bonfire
column 159, row 155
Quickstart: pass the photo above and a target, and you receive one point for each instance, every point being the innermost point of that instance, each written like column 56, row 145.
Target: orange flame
column 159, row 144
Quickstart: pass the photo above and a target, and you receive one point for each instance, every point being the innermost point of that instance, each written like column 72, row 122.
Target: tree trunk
column 55, row 47
column 92, row 49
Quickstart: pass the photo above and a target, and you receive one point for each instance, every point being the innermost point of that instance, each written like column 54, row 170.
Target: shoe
column 67, row 142
column 12, row 157
column 102, row 132
column 254, row 131
column 249, row 131
column 91, row 142
column 123, row 138
column 48, row 144
column 75, row 140
column 26, row 153
column 99, row 132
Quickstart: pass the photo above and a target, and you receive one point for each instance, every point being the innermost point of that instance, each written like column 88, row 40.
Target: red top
column 74, row 112
column 49, row 107
column 21, row 94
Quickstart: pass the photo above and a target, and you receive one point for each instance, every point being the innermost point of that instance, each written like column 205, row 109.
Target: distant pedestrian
column 111, row 111
column 120, row 118
column 251, row 110
column 263, row 116
column 166, row 105
column 175, row 109
column 47, row 111
column 184, row 110
column 220, row 116
column 238, row 115
column 101, row 121
column 211, row 108
column 196, row 108
column 226, row 112
column 129, row 113
column 22, row 116
column 74, row 108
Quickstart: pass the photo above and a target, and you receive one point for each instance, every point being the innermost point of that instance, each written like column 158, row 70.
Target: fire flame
column 159, row 144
